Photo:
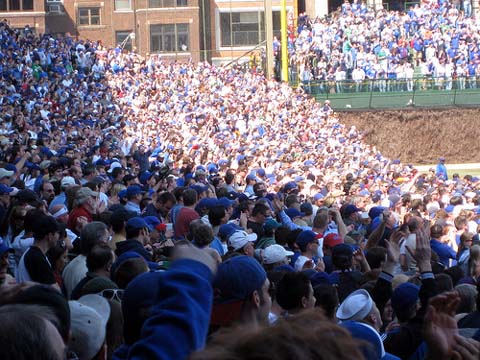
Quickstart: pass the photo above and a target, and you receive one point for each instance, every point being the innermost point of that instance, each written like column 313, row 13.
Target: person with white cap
column 275, row 255
column 5, row 176
column 66, row 182
column 89, row 317
column 359, row 306
column 242, row 242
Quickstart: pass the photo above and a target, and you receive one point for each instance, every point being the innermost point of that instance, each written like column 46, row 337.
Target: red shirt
column 75, row 214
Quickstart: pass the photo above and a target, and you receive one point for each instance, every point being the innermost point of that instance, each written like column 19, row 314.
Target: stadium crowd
column 430, row 45
column 165, row 210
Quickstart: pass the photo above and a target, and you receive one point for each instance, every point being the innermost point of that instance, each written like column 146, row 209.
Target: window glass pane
column 3, row 4
column 169, row 37
column 225, row 29
column 120, row 37
column 182, row 2
column 155, row 3
column 14, row 4
column 241, row 28
column 27, row 4
column 122, row 5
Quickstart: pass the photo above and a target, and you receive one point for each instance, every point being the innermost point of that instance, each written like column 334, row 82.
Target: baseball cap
column 240, row 238
column 372, row 346
column 152, row 222
column 290, row 186
column 356, row 306
column 67, row 181
column 275, row 253
column 5, row 173
column 207, row 203
column 405, row 296
column 306, row 208
column 145, row 176
column 318, row 196
column 350, row 209
column 332, row 239
column 84, row 193
column 89, row 316
column 5, row 189
column 271, row 224
column 133, row 190
column 225, row 230
column 293, row 213
column 137, row 223
column 306, row 237
column 114, row 165
column 236, row 279
column 223, row 201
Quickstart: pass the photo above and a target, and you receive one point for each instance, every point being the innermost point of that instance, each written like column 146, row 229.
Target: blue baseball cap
column 373, row 349
column 207, row 203
column 199, row 188
column 145, row 176
column 237, row 278
column 318, row 196
column 137, row 223
column 293, row 213
column 152, row 222
column 223, row 201
column 228, row 229
column 5, row 189
column 133, row 190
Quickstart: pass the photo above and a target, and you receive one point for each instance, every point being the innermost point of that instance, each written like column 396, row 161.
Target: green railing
column 393, row 94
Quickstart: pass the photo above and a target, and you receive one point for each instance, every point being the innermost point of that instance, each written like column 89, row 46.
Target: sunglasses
column 112, row 294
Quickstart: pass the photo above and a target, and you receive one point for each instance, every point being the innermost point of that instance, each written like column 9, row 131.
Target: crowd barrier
column 425, row 92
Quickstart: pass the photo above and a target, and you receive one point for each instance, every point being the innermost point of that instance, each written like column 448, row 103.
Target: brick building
column 215, row 30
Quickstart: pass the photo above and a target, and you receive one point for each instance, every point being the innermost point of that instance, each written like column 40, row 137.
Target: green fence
column 394, row 94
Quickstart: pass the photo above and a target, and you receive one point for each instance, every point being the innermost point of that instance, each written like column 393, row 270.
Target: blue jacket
column 444, row 252
column 178, row 323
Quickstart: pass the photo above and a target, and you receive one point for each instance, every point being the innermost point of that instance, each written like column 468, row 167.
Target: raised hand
column 440, row 326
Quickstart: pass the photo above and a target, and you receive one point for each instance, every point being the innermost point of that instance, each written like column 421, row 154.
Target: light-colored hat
column 83, row 194
column 241, row 238
column 89, row 317
column 114, row 165
column 5, row 173
column 356, row 306
column 67, row 181
column 275, row 253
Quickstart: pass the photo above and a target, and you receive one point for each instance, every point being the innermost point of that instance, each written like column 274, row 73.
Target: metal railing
column 389, row 93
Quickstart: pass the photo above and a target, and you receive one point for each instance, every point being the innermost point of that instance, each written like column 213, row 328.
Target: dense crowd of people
column 179, row 210
column 430, row 45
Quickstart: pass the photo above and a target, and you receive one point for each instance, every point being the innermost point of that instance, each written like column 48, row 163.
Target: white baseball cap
column 275, row 253
column 241, row 238
column 356, row 306
column 67, row 181
column 89, row 316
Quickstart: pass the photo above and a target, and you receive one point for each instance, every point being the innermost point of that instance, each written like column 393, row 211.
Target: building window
column 123, row 5
column 122, row 41
column 169, row 38
column 167, row 3
column 245, row 28
column 16, row 5
column 89, row 16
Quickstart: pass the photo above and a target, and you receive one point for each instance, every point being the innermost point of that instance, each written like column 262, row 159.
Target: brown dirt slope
column 421, row 136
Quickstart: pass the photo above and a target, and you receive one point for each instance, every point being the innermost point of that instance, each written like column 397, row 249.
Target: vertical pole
column 267, row 5
column 283, row 19
column 135, row 41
